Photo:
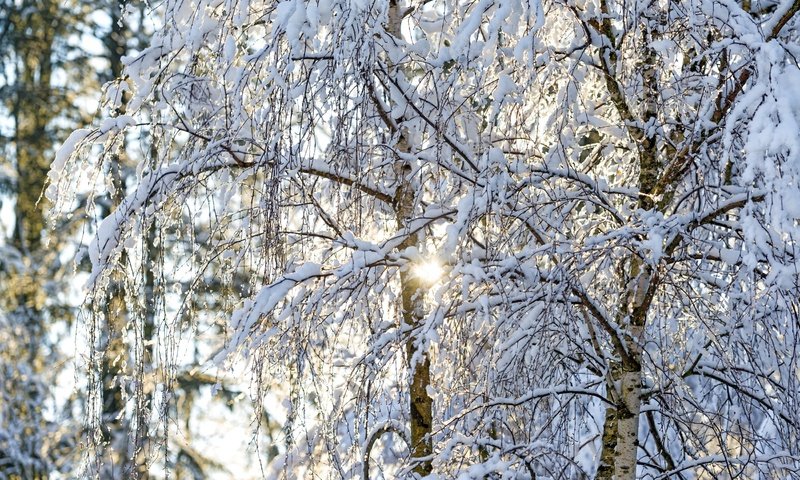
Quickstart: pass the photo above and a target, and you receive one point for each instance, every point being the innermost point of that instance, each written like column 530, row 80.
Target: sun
column 428, row 272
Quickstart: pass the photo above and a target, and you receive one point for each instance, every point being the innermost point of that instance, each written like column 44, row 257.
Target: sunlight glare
column 429, row 271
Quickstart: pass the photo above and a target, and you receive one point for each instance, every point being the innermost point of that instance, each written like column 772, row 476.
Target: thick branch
column 342, row 180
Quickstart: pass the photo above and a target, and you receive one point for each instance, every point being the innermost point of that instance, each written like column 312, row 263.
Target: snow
column 230, row 48
column 63, row 154
column 730, row 256
column 266, row 302
column 655, row 245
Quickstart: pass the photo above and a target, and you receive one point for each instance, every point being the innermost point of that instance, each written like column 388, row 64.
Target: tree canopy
column 470, row 239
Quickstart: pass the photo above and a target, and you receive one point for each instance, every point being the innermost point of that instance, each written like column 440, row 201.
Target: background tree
column 608, row 188
column 38, row 84
column 55, row 58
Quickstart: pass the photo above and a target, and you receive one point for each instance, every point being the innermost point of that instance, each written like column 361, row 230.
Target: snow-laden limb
column 265, row 302
column 154, row 189
column 387, row 427
column 66, row 150
column 62, row 186
column 779, row 461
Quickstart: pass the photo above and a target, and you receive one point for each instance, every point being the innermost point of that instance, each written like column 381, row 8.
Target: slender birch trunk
column 412, row 294
column 420, row 402
column 621, row 426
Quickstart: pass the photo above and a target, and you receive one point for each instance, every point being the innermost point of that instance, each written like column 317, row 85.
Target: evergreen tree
column 37, row 88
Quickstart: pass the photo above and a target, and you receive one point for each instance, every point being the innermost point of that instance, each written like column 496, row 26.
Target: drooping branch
column 382, row 429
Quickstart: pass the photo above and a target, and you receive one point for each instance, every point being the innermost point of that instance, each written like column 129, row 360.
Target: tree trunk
column 412, row 293
column 32, row 112
column 420, row 403
column 621, row 426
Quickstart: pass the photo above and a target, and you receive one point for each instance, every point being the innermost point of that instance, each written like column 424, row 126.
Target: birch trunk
column 412, row 295
column 420, row 403
column 621, row 426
